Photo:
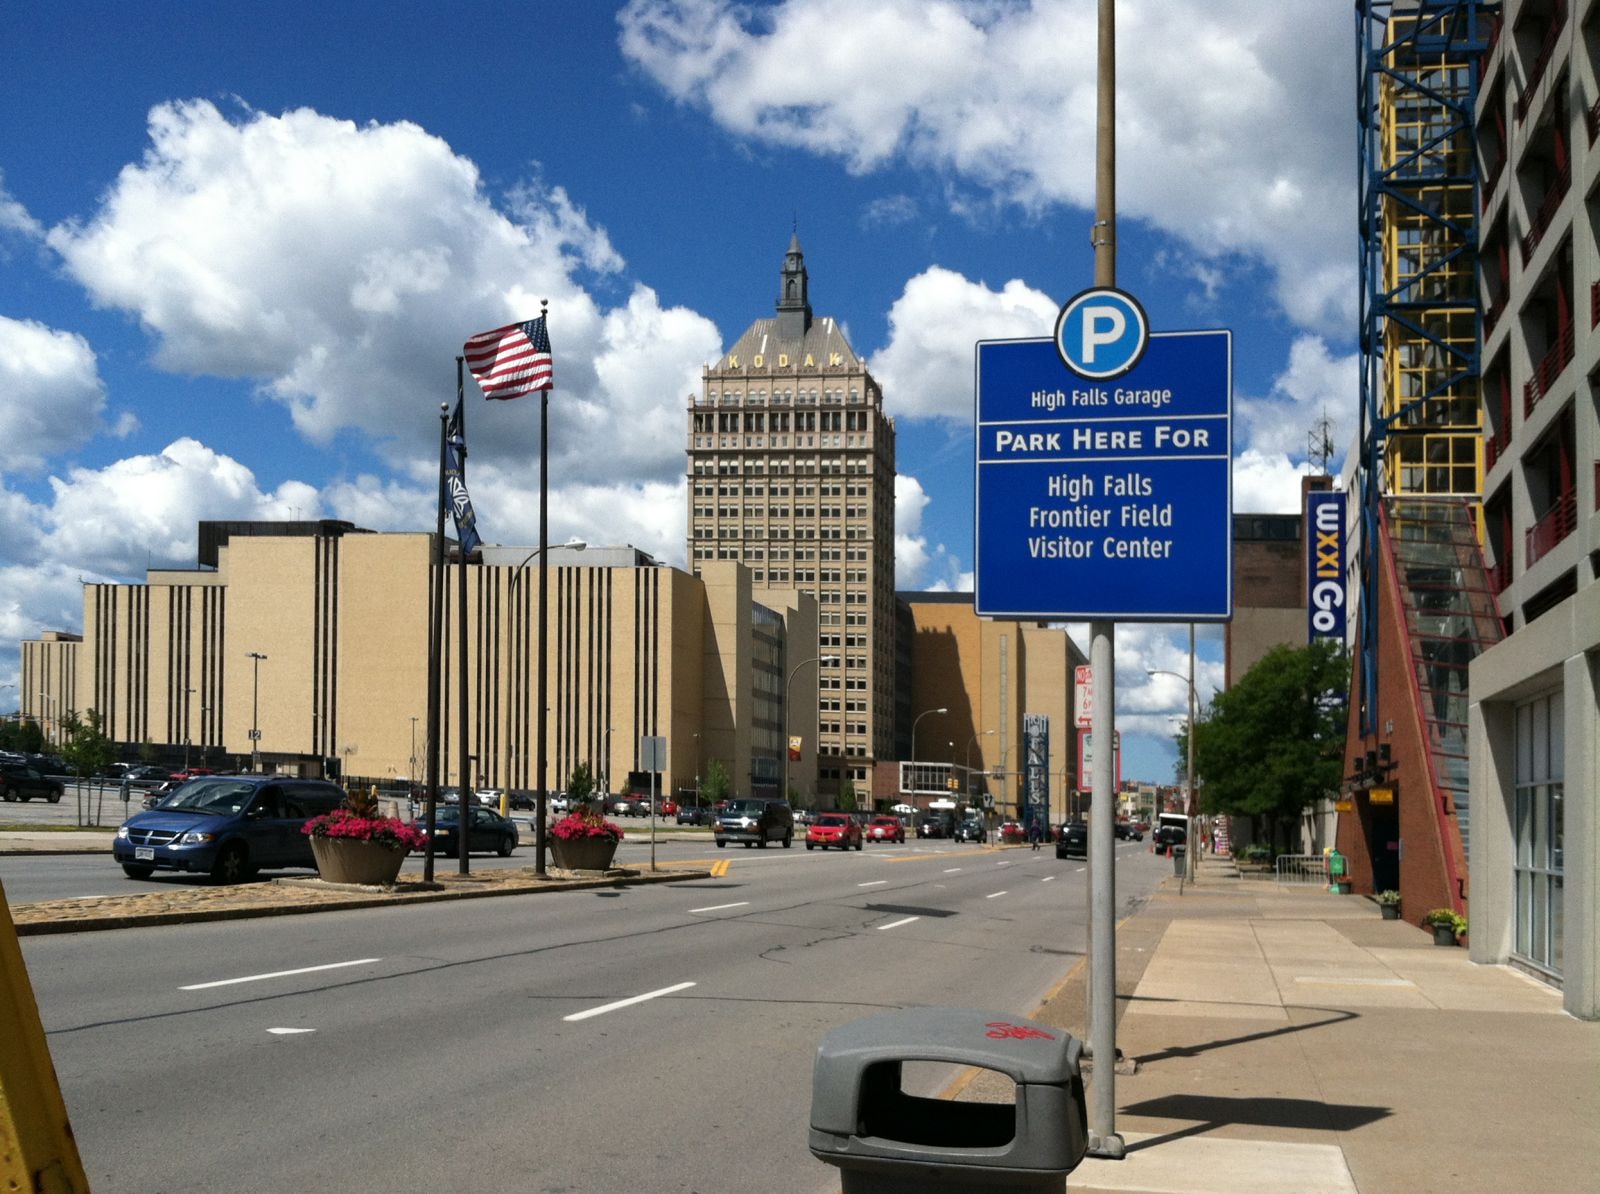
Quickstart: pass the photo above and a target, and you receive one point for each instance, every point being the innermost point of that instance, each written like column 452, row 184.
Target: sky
column 241, row 248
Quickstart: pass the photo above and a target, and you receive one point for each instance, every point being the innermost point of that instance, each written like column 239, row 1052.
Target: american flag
column 511, row 361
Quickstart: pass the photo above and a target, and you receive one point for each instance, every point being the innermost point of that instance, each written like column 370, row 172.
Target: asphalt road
column 655, row 1038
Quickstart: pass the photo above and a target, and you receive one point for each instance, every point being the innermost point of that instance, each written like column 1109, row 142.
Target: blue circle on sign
column 1102, row 333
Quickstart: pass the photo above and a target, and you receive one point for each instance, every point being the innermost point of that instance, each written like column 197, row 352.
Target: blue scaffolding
column 1418, row 70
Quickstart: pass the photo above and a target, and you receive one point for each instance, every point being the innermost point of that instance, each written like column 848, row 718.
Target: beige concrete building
column 1533, row 698
column 989, row 674
column 317, row 634
column 791, row 466
column 49, row 680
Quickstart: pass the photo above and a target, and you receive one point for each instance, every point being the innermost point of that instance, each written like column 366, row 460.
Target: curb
column 87, row 924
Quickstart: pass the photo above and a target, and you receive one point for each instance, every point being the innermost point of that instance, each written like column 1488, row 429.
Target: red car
column 667, row 808
column 887, row 829
column 1012, row 831
column 833, row 829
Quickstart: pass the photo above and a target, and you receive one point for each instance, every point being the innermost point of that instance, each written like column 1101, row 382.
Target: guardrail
column 1301, row 868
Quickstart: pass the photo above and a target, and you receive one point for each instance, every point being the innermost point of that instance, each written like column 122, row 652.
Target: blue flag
column 455, row 482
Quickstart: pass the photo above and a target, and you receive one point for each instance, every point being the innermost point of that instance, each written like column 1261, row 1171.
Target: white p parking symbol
column 1112, row 320
column 1101, row 333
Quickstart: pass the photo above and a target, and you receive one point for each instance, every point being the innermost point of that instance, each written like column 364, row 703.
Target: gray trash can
column 1179, row 863
column 886, row 1141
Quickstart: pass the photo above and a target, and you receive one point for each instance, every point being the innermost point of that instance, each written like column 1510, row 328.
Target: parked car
column 18, row 781
column 667, row 808
column 632, row 804
column 834, row 829
column 1072, row 840
column 1127, row 831
column 488, row 797
column 886, row 829
column 972, row 830
column 694, row 814
column 1012, row 831
column 524, row 799
column 487, row 830
column 755, row 823
column 227, row 826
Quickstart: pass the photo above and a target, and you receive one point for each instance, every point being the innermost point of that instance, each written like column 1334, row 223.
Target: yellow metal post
column 37, row 1150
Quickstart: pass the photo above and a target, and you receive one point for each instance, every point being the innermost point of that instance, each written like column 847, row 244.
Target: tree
column 581, row 786
column 847, row 797
column 22, row 735
column 714, row 786
column 1274, row 743
column 87, row 750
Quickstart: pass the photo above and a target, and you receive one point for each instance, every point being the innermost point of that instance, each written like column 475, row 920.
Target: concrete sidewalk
column 1292, row 1040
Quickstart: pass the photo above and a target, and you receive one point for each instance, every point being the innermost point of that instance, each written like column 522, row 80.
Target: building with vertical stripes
column 309, row 643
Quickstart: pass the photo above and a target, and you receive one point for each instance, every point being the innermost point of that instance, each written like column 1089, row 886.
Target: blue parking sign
column 1105, row 499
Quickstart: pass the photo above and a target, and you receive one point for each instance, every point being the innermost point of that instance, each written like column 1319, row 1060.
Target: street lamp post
column 1189, row 808
column 783, row 722
column 541, row 799
column 45, row 696
column 970, row 745
column 697, row 768
column 255, row 711
column 919, row 717
column 187, row 694
column 411, row 775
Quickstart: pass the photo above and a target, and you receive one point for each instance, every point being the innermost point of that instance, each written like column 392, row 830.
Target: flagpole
column 544, row 556
column 435, row 627
column 464, row 766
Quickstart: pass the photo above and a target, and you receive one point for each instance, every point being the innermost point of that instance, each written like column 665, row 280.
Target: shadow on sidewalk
column 1173, row 1052
column 1216, row 1111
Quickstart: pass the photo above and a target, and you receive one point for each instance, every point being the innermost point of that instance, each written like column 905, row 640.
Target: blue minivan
column 227, row 826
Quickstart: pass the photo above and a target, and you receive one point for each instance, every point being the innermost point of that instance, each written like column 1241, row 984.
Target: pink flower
column 585, row 823
column 386, row 831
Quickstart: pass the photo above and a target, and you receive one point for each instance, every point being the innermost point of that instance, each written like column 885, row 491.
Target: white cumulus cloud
column 1233, row 116
column 142, row 511
column 340, row 267
column 51, row 395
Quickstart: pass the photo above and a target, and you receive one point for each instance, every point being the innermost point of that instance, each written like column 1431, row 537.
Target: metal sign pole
column 1103, row 1138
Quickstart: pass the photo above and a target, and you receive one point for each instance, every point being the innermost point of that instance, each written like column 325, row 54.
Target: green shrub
column 1445, row 917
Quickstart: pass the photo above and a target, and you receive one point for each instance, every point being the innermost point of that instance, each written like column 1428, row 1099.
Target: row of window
column 720, row 466
column 782, row 441
column 785, row 396
column 781, row 512
column 759, row 422
column 741, row 552
column 712, row 489
column 703, row 533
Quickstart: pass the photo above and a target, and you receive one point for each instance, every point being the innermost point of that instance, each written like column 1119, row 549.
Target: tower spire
column 794, row 303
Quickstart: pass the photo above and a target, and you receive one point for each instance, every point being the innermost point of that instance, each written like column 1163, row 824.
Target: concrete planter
column 583, row 853
column 1390, row 911
column 349, row 860
column 1444, row 934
